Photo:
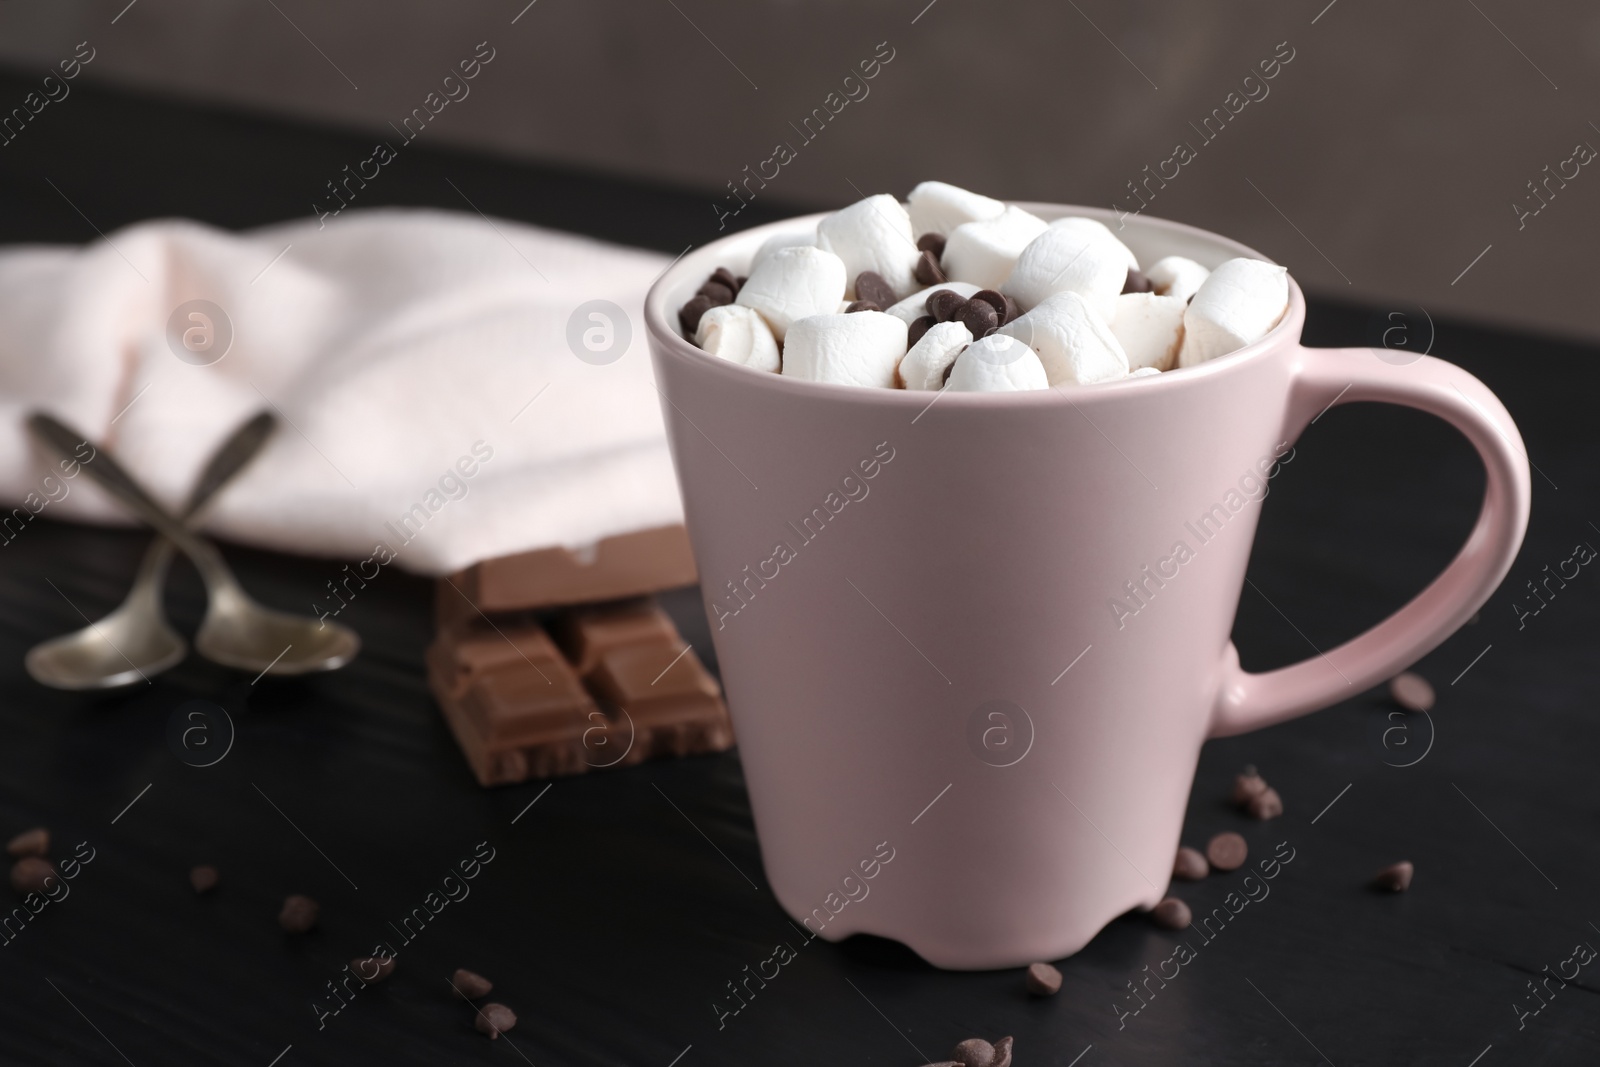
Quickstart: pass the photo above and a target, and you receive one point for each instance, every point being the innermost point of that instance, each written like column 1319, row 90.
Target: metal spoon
column 236, row 631
column 134, row 641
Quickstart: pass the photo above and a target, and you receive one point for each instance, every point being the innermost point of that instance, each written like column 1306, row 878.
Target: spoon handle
column 120, row 484
column 235, row 454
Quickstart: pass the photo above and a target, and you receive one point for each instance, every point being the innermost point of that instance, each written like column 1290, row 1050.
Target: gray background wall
column 1386, row 157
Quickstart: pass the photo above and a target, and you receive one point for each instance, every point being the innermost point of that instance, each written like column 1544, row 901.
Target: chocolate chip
column 944, row 380
column 917, row 328
column 1412, row 692
column 1247, row 785
column 724, row 276
column 471, row 985
column 1138, row 282
column 932, row 242
column 373, row 968
column 495, row 1019
column 1043, row 980
column 299, row 913
column 870, row 285
column 1227, row 851
column 927, row 271
column 689, row 314
column 979, row 317
column 974, row 1052
column 1172, row 914
column 1189, row 865
column 992, row 298
column 720, row 294
column 1002, row 1053
column 1396, row 878
column 31, row 873
column 203, row 878
column 1265, row 805
column 1012, row 312
column 945, row 304
column 738, row 283
column 862, row 305
column 35, row 842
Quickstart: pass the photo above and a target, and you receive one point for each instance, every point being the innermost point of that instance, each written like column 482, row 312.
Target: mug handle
column 1323, row 378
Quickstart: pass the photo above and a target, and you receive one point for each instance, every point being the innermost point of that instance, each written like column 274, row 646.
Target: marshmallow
column 739, row 335
column 939, row 208
column 1237, row 305
column 1087, row 227
column 1149, row 328
column 997, row 364
column 925, row 365
column 1072, row 341
column 915, row 306
column 873, row 234
column 792, row 283
column 1070, row 259
column 1143, row 372
column 782, row 240
column 1177, row 276
column 984, row 252
column 860, row 349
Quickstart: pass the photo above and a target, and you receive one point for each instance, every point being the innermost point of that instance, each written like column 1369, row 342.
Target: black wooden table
column 615, row 907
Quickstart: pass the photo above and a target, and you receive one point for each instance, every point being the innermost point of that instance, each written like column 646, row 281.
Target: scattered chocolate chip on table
column 35, row 842
column 203, row 878
column 299, row 913
column 1171, row 914
column 1043, row 980
column 1227, row 851
column 30, row 874
column 1412, row 692
column 495, row 1019
column 1247, row 785
column 1396, row 878
column 1189, row 865
column 976, row 1052
column 1266, row 804
column 471, row 984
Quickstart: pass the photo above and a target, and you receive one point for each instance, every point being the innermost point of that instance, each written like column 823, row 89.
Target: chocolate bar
column 628, row 565
column 619, row 687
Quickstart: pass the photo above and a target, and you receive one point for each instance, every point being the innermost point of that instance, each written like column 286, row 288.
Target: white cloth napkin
column 400, row 349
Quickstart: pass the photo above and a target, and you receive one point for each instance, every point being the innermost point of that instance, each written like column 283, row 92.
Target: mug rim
column 667, row 342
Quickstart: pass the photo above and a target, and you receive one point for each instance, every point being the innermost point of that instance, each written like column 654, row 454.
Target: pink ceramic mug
column 972, row 643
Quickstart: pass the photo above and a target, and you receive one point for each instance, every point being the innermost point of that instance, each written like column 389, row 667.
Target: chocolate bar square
column 587, row 634
column 483, row 649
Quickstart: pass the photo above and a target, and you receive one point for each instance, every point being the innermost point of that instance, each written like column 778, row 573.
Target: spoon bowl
column 237, row 632
column 128, row 645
